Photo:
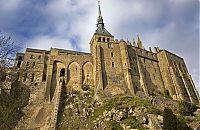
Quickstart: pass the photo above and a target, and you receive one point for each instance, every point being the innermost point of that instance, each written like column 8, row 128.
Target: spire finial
column 139, row 42
column 99, row 7
column 100, row 23
column 100, row 18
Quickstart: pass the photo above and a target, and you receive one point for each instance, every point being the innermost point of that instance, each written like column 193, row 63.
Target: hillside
column 80, row 111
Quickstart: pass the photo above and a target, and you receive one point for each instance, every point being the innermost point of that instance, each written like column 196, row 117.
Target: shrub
column 181, row 125
column 187, row 109
column 169, row 120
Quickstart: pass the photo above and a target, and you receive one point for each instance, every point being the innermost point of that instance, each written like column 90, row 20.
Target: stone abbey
column 113, row 67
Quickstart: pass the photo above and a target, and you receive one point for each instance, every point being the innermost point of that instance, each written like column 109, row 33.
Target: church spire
column 100, row 24
column 100, row 18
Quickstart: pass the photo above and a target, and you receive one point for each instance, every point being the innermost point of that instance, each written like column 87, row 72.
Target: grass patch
column 114, row 125
column 133, row 122
column 120, row 103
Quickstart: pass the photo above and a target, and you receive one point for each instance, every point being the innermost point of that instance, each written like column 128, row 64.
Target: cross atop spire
column 100, row 23
column 100, row 18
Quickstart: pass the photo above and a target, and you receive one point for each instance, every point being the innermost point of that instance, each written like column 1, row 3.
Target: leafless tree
column 8, row 49
column 11, row 104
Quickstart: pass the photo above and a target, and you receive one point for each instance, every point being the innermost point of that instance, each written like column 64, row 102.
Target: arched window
column 99, row 39
column 104, row 39
column 112, row 54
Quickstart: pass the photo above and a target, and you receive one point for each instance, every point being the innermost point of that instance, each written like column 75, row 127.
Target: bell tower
column 101, row 35
column 101, row 39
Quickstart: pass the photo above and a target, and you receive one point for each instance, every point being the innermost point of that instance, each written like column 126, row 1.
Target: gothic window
column 113, row 64
column 104, row 39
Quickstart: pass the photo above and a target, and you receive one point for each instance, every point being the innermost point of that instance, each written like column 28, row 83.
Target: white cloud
column 46, row 42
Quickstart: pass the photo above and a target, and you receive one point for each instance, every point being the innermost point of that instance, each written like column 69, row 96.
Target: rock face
column 36, row 112
column 82, row 112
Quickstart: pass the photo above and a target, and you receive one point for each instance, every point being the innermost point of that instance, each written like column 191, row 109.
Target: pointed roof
column 100, row 24
column 139, row 42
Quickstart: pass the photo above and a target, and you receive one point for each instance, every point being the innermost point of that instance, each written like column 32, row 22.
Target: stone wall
column 176, row 77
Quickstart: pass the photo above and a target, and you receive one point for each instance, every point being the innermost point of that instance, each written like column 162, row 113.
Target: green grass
column 133, row 122
column 120, row 103
column 114, row 125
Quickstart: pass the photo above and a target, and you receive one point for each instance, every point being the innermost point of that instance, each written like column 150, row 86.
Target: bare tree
column 8, row 49
column 11, row 104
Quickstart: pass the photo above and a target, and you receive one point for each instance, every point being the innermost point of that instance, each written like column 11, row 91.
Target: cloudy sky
column 70, row 24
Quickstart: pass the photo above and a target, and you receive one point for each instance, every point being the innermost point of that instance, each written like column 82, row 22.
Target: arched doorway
column 62, row 72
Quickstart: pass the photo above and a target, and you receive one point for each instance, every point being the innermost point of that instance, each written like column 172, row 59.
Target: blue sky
column 70, row 24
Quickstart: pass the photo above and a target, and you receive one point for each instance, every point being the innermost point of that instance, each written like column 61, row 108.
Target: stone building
column 113, row 67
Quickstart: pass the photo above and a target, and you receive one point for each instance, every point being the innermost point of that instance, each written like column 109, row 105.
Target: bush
column 169, row 120
column 181, row 125
column 187, row 109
